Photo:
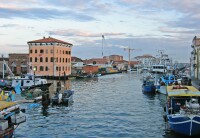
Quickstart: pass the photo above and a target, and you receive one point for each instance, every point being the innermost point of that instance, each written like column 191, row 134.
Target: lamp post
column 34, row 69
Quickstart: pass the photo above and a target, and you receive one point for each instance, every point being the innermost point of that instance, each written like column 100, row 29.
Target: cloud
column 77, row 33
column 41, row 13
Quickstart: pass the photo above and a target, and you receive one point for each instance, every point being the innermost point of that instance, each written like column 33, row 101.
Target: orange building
column 50, row 57
column 90, row 69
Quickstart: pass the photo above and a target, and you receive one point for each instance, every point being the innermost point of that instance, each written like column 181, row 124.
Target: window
column 63, row 52
column 66, row 60
column 51, row 50
column 41, row 59
column 69, row 52
column 46, row 51
column 66, row 68
column 41, row 68
column 35, row 59
column 46, row 59
column 63, row 60
column 30, row 59
column 31, row 51
column 35, row 50
column 60, row 59
column 63, row 68
column 41, row 51
column 46, row 68
column 51, row 59
column 56, row 68
column 69, row 60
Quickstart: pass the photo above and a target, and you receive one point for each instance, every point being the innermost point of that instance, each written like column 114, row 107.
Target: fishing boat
column 30, row 81
column 164, row 82
column 62, row 97
column 183, row 110
column 10, row 118
column 148, row 85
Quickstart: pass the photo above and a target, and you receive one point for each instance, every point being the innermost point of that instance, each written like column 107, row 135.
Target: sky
column 146, row 26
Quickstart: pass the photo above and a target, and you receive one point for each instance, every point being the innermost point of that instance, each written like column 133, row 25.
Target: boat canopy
column 4, row 104
column 186, row 91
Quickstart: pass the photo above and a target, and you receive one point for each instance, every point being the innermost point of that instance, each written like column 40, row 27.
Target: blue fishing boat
column 164, row 82
column 183, row 110
column 148, row 85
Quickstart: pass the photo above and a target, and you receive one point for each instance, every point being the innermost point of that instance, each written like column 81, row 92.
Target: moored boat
column 183, row 109
column 165, row 81
column 148, row 85
column 29, row 81
column 62, row 97
column 10, row 116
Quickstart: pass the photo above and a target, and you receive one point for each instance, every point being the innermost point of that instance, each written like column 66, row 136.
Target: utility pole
column 102, row 44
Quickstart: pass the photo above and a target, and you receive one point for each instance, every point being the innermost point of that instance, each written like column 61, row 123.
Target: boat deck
column 176, row 90
column 4, row 104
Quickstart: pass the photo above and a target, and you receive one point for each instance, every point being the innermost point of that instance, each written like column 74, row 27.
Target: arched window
column 41, row 59
column 35, row 59
column 46, row 68
column 30, row 59
column 41, row 68
column 46, row 59
column 35, row 50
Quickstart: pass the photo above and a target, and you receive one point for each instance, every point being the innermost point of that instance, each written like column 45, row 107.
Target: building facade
column 3, row 60
column 50, row 57
column 18, row 63
column 195, row 58
column 146, row 60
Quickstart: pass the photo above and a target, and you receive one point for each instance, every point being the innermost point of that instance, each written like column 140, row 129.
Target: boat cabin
column 158, row 69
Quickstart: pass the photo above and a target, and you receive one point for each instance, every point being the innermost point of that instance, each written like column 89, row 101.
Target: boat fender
column 164, row 109
column 165, row 118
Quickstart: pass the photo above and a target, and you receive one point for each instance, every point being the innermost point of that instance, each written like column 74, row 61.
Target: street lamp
column 34, row 69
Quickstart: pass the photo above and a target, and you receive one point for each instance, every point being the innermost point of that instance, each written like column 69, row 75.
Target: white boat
column 30, row 81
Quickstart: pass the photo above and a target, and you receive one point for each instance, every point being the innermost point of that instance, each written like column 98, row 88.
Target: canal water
column 108, row 106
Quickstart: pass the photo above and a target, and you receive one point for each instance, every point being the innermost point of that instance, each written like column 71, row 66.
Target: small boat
column 11, row 116
column 29, row 81
column 183, row 110
column 62, row 97
column 148, row 85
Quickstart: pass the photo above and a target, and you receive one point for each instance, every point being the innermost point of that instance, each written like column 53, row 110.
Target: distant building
column 50, row 57
column 18, row 63
column 195, row 58
column 90, row 69
column 146, row 60
column 115, row 57
column 2, row 61
column 99, row 61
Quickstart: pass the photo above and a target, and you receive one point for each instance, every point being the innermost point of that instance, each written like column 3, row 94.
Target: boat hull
column 185, row 125
column 162, row 89
column 148, row 89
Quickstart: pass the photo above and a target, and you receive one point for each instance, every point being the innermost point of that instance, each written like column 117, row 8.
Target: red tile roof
column 49, row 40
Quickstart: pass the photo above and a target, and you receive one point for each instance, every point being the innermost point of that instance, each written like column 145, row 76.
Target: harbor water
column 108, row 106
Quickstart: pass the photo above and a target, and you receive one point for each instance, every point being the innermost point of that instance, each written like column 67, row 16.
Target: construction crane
column 129, row 52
